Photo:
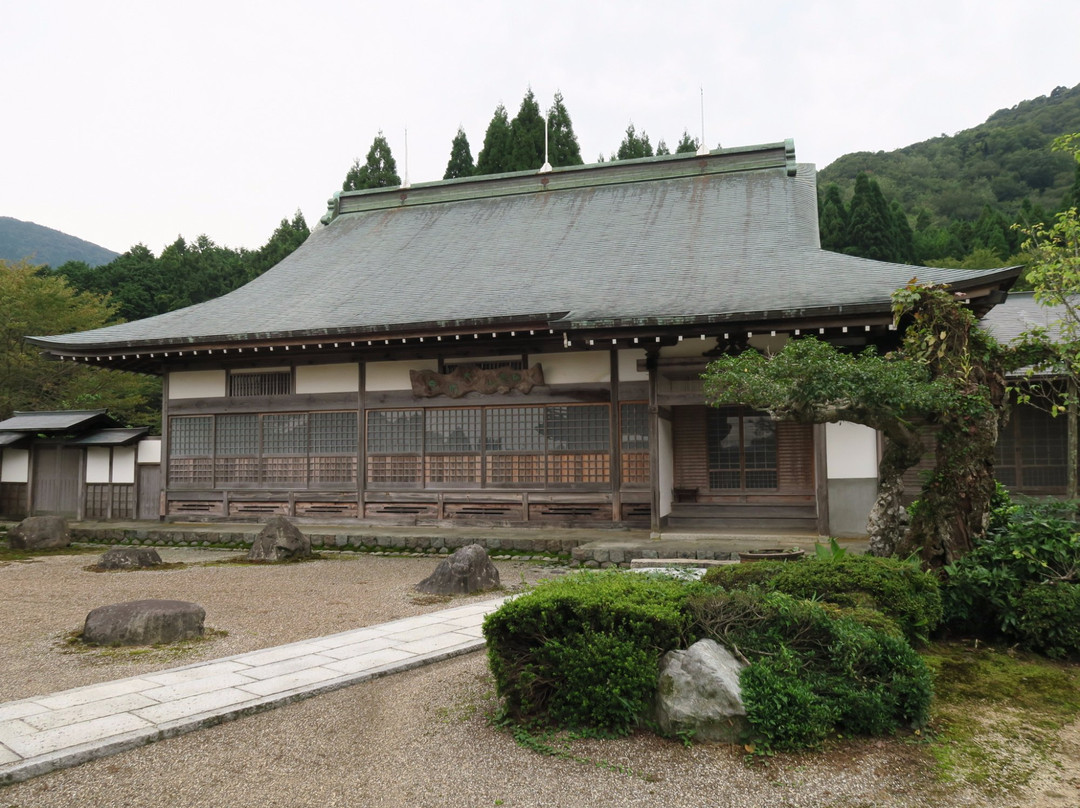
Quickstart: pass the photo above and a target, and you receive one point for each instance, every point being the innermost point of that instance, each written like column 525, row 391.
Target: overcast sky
column 128, row 122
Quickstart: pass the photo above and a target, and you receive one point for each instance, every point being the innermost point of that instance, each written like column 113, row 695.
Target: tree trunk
column 886, row 525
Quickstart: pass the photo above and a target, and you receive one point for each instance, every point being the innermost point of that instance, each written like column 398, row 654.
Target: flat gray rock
column 144, row 622
column 465, row 571
column 698, row 694
column 280, row 540
column 129, row 558
column 40, row 533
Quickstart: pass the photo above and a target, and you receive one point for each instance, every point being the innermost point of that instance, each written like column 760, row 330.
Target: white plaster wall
column 768, row 343
column 689, row 346
column 667, row 467
column 149, row 450
column 384, row 376
column 581, row 367
column 123, row 466
column 851, row 451
column 628, row 371
column 15, row 467
column 197, row 384
column 97, row 464
column 337, row 378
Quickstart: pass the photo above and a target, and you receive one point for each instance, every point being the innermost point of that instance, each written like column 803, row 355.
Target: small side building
column 79, row 464
column 526, row 349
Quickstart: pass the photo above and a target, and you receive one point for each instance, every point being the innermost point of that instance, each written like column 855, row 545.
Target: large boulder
column 280, row 540
column 698, row 694
column 466, row 570
column 144, row 622
column 40, row 533
column 129, row 558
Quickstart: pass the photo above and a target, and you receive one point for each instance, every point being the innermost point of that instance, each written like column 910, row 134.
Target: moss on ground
column 997, row 713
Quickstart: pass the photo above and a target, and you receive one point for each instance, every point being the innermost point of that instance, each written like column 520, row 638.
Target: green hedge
column 583, row 651
column 814, row 668
column 897, row 589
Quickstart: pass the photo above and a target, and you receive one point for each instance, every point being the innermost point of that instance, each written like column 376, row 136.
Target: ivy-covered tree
column 563, row 147
column 378, row 171
column 496, row 154
column 634, row 145
column 948, row 373
column 461, row 160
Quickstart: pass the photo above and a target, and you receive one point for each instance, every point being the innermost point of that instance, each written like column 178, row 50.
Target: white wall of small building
column 381, row 377
column 851, row 459
column 15, row 466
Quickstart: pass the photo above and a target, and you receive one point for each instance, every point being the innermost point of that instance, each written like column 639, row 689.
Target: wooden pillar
column 615, row 431
column 652, row 364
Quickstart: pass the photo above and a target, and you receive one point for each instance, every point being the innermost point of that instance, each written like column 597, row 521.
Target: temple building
column 526, row 349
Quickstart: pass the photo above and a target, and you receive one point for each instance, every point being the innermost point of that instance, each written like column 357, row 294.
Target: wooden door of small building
column 149, row 493
column 55, row 486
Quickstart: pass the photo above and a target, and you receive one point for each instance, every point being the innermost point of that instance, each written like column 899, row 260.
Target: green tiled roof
column 676, row 239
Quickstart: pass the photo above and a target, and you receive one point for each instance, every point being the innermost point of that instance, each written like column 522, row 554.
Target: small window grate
column 273, row 383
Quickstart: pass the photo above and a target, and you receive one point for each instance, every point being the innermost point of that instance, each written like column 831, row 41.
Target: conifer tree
column 687, row 145
column 379, row 171
column 634, row 145
column 662, row 148
column 461, row 161
column 563, row 148
column 903, row 237
column 494, row 157
column 527, row 136
column 833, row 220
column 870, row 224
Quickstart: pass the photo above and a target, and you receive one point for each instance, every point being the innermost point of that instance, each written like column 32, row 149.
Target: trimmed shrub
column 814, row 670
column 898, row 589
column 984, row 590
column 1048, row 619
column 583, row 652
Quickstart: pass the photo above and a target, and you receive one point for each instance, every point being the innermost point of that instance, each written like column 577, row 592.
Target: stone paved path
column 54, row 731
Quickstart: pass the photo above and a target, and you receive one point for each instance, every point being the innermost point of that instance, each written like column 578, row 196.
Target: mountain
column 43, row 245
column 999, row 163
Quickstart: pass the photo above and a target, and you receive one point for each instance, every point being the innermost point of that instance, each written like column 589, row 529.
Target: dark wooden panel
column 795, row 457
column 13, row 500
column 690, row 448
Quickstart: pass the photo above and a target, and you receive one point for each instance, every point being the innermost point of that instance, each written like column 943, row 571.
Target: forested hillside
column 999, row 163
column 21, row 240
column 960, row 200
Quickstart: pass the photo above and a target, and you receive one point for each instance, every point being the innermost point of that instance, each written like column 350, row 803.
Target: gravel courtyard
column 420, row 738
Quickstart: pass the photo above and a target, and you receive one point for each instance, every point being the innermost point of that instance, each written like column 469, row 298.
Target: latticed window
column 742, row 450
column 495, row 446
column 1032, row 452
column 262, row 383
column 192, row 436
column 276, row 449
column 634, row 442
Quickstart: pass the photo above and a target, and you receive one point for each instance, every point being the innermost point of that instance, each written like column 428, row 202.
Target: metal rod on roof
column 546, row 167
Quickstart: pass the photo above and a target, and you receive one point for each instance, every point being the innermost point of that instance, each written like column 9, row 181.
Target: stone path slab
column 57, row 730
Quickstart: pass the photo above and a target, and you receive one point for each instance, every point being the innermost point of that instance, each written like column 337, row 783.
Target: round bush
column 1049, row 619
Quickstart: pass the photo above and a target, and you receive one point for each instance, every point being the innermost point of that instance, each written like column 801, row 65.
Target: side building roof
column 682, row 239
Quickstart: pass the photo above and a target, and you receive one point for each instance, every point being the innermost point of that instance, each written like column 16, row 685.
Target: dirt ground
column 419, row 738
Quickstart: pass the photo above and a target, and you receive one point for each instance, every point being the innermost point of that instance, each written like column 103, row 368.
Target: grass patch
column 165, row 565
column 244, row 561
column 8, row 554
column 72, row 643
column 997, row 713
